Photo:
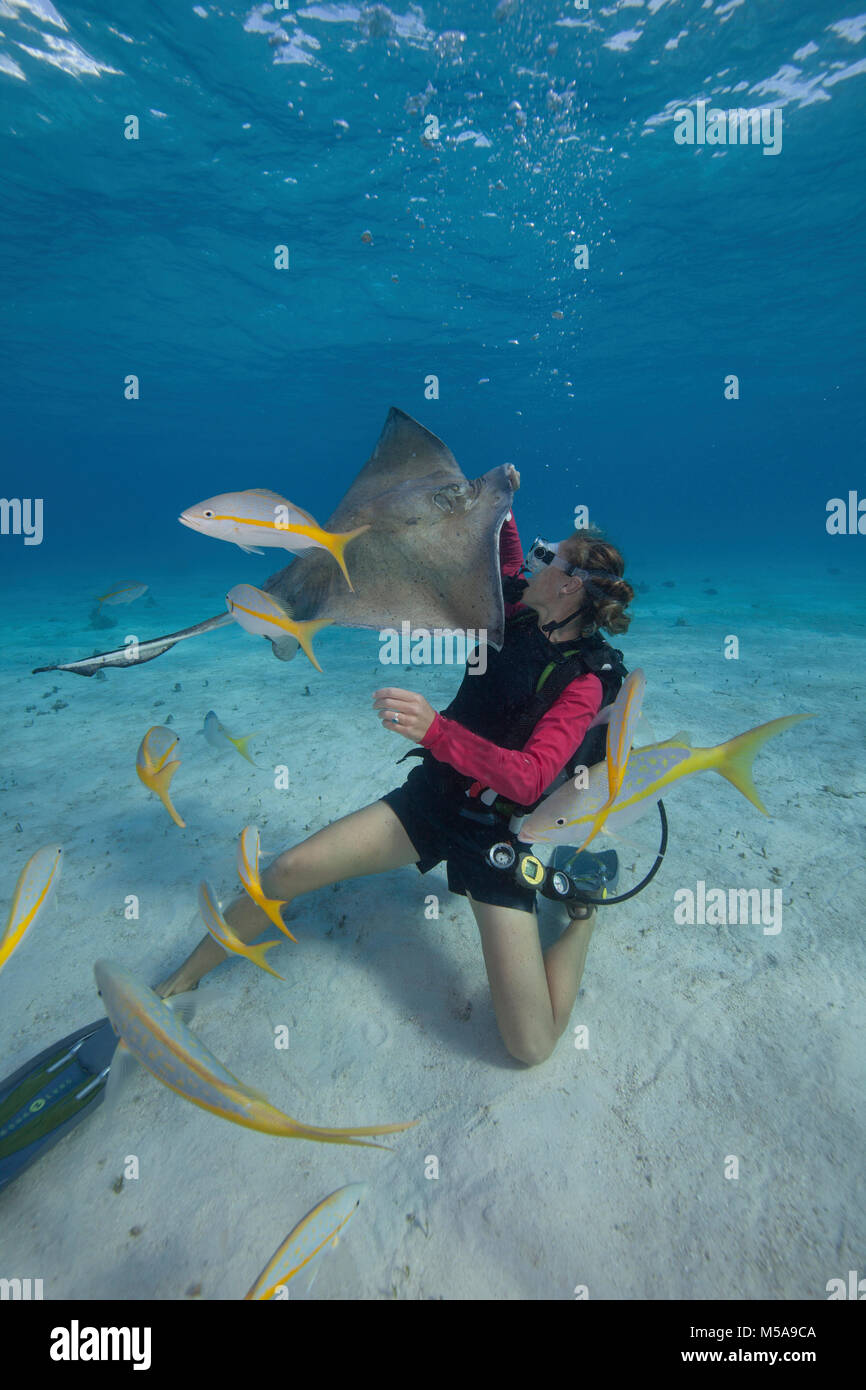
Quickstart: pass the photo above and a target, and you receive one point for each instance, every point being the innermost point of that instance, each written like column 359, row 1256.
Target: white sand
column 603, row 1167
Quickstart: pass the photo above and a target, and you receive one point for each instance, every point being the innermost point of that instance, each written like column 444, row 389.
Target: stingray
column 430, row 557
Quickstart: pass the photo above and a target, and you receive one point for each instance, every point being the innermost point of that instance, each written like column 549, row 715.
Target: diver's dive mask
column 543, row 552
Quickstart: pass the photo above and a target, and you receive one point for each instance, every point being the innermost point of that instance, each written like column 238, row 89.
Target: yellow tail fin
column 159, row 782
column 305, row 632
column 337, row 547
column 270, row 907
column 735, row 758
column 241, row 745
column 257, row 954
column 345, row 1136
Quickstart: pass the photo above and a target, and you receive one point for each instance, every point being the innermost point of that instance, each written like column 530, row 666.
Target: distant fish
column 161, row 1042
column 567, row 812
column 260, row 517
column 265, row 616
column 218, row 736
column 124, row 593
column 225, row 937
column 320, row 1228
column 249, row 848
column 33, row 891
column 153, row 767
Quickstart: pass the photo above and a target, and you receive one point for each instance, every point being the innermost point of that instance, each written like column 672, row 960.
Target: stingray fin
column 405, row 451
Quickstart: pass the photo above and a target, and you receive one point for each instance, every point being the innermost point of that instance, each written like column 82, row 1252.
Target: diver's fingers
column 401, row 707
column 401, row 723
column 405, row 703
column 390, row 692
column 401, row 718
column 408, row 706
column 413, row 725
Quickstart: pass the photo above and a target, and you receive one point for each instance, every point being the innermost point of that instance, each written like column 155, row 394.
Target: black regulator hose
column 624, row 897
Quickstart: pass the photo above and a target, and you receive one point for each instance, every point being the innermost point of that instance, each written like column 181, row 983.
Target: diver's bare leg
column 369, row 841
column 533, row 993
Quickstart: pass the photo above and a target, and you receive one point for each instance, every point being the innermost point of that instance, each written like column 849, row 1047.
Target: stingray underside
column 431, row 555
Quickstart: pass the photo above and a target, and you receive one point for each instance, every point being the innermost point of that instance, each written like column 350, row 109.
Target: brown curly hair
column 606, row 593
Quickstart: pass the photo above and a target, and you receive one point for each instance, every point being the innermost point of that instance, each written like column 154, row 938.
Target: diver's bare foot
column 175, row 984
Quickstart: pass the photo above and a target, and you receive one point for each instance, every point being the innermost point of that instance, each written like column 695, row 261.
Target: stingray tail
column 734, row 759
column 337, row 543
column 257, row 955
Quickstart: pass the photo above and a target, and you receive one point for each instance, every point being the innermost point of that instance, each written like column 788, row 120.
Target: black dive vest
column 521, row 683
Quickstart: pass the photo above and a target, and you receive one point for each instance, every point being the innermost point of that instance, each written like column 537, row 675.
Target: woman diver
column 490, row 756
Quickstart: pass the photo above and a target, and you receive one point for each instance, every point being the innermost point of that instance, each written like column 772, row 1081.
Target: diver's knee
column 281, row 872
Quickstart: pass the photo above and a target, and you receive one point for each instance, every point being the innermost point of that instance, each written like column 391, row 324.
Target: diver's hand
column 513, row 476
column 414, row 715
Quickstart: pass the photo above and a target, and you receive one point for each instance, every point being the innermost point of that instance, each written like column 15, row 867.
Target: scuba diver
column 508, row 736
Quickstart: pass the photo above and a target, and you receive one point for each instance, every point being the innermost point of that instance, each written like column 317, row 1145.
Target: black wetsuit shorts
column 436, row 827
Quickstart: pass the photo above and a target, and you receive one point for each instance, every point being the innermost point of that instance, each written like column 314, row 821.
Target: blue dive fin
column 48, row 1096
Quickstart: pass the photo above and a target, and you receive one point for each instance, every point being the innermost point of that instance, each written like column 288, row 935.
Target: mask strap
column 553, row 627
column 587, row 577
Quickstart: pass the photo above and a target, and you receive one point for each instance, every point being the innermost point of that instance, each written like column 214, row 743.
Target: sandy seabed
column 604, row 1167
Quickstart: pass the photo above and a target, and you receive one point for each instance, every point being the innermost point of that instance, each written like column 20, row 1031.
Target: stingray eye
column 561, row 820
column 207, row 515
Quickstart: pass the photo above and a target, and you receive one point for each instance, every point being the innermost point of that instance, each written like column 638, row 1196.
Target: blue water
column 259, row 128
column 415, row 256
